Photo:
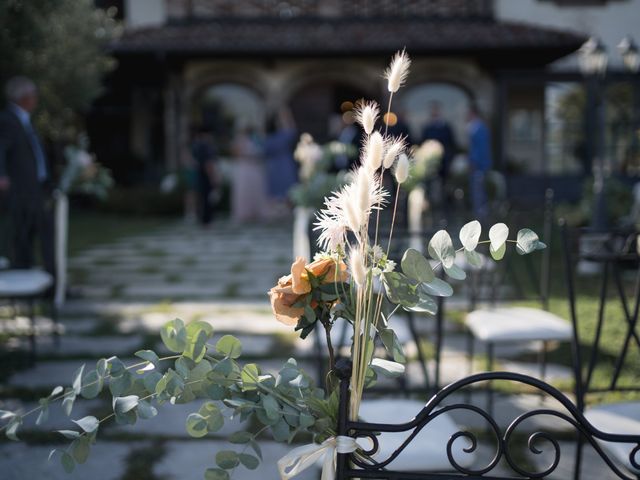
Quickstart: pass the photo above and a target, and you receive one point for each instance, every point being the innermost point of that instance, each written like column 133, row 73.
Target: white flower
column 357, row 267
column 349, row 209
column 402, row 169
column 367, row 115
column 397, row 72
column 390, row 266
column 374, row 151
column 363, row 188
column 395, row 147
column 308, row 153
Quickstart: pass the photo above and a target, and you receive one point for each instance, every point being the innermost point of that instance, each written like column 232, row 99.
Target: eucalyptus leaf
column 68, row 401
column 216, row 474
column 174, row 335
column 441, row 248
column 56, row 391
column 67, row 462
column 392, row 344
column 527, row 241
column 146, row 410
column 227, row 459
column 69, row 434
column 92, row 385
column 198, row 333
column 470, row 234
column 280, row 431
column 498, row 235
column 240, row 437
column 474, row 258
column 80, row 449
column 101, row 367
column 196, row 425
column 249, row 461
column 77, row 380
column 249, row 376
column 120, row 384
column 43, row 416
column 400, row 289
column 455, row 272
column 211, row 412
column 437, row 287
column 387, row 368
column 271, row 406
column 89, row 423
column 415, row 266
column 229, row 346
column 12, row 428
column 499, row 253
column 123, row 405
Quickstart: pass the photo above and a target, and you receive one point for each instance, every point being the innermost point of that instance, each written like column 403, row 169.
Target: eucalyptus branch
column 62, row 396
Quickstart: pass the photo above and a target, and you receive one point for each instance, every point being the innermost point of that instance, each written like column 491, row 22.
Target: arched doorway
column 317, row 105
column 222, row 108
column 415, row 104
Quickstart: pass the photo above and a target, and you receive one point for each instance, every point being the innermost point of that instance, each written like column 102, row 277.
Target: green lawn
column 587, row 303
column 87, row 229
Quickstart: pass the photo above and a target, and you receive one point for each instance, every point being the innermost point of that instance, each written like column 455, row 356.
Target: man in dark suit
column 25, row 178
column 439, row 129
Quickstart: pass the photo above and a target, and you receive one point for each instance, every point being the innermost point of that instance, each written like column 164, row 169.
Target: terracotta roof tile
column 316, row 36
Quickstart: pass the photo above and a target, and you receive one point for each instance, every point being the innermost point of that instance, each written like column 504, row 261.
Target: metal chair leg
column 489, row 387
column 421, row 358
column 32, row 333
column 56, row 325
column 578, row 459
column 470, row 346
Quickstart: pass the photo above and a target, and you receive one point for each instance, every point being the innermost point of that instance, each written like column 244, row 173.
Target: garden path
column 124, row 291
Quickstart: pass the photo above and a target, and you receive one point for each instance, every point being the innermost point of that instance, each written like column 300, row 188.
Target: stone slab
column 189, row 460
column 21, row 462
column 93, row 347
column 170, row 422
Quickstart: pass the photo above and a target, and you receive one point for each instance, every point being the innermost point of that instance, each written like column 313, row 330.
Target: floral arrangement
column 82, row 174
column 426, row 162
column 353, row 279
column 315, row 161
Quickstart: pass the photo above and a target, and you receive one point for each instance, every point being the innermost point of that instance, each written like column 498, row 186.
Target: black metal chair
column 508, row 325
column 367, row 464
column 609, row 431
column 615, row 255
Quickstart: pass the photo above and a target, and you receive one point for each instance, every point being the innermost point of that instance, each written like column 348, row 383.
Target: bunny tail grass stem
column 385, row 119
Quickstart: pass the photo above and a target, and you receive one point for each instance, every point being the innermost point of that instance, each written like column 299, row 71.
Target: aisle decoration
column 352, row 279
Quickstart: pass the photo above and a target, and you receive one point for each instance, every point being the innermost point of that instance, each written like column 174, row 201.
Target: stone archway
column 316, row 93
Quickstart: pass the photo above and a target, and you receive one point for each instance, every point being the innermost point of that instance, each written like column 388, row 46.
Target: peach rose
column 291, row 288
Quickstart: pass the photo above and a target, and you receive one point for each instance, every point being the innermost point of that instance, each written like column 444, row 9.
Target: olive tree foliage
column 60, row 46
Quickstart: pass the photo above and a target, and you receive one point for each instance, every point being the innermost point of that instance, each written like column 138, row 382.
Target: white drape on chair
column 61, row 237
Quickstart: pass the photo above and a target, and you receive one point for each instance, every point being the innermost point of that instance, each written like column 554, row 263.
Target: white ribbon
column 301, row 458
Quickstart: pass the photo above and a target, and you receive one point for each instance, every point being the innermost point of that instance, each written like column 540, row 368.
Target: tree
column 60, row 45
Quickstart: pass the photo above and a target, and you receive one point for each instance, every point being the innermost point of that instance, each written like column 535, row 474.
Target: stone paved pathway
column 125, row 291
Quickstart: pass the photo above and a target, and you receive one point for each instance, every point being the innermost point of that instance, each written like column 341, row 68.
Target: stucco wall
column 610, row 22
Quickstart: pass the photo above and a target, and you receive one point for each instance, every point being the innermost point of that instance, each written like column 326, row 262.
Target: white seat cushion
column 428, row 450
column 517, row 324
column 621, row 418
column 24, row 283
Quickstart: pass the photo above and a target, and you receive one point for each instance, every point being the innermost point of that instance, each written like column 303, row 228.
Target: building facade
column 228, row 64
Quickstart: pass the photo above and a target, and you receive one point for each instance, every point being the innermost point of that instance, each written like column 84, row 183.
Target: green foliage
column 60, row 46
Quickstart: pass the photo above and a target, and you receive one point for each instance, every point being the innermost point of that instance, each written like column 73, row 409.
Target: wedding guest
column 204, row 157
column 279, row 144
column 25, row 178
column 479, row 161
column 438, row 128
column 248, row 185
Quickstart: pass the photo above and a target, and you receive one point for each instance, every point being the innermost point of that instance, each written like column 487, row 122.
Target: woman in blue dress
column 279, row 144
